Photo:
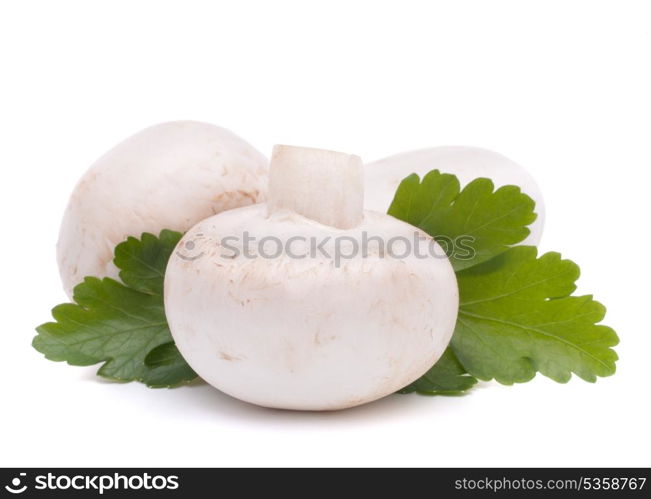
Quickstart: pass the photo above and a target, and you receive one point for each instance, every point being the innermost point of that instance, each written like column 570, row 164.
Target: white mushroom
column 382, row 177
column 168, row 176
column 278, row 323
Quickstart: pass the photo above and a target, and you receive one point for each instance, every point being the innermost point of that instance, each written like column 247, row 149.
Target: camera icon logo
column 15, row 487
column 189, row 250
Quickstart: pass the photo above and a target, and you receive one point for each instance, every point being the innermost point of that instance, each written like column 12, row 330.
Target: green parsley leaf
column 517, row 317
column 142, row 262
column 119, row 324
column 516, row 314
column 472, row 225
column 446, row 377
column 168, row 365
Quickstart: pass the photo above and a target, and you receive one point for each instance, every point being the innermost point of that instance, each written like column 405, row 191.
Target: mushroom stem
column 325, row 186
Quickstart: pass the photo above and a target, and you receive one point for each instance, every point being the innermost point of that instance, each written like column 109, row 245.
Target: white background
column 562, row 87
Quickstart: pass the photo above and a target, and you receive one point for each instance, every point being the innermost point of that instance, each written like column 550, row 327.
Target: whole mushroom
column 168, row 176
column 305, row 302
column 382, row 177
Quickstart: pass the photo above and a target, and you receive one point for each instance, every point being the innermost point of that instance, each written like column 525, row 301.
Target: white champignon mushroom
column 168, row 176
column 382, row 177
column 278, row 323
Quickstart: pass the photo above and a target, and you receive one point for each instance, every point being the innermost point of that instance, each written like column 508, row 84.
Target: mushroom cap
column 383, row 176
column 168, row 176
column 308, row 333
